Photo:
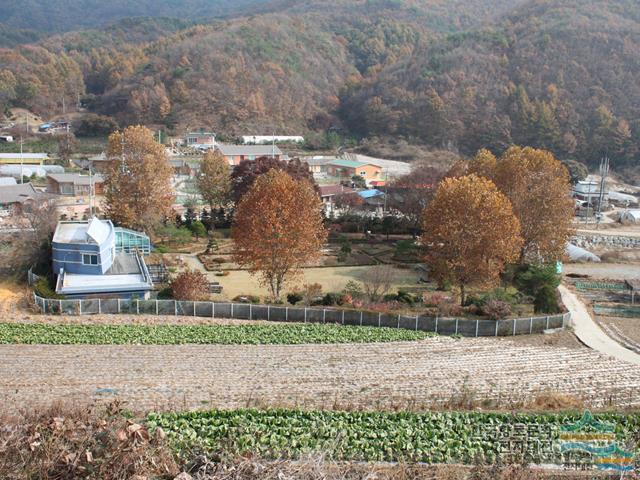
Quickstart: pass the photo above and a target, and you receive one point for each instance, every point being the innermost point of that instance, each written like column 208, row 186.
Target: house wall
column 69, row 256
column 369, row 172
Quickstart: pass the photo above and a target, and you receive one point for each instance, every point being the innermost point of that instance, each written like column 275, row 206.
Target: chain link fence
column 274, row 313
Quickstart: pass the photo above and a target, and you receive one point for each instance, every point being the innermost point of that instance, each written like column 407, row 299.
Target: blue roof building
column 94, row 258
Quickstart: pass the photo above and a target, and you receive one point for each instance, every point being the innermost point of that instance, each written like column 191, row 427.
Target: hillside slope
column 558, row 74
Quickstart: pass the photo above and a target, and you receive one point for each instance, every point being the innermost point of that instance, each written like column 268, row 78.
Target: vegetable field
column 250, row 334
column 434, row 437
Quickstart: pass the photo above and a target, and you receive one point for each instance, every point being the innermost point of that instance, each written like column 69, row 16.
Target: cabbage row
column 433, row 437
column 250, row 334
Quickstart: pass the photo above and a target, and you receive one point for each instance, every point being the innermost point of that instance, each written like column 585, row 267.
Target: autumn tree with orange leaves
column 538, row 187
column 138, row 192
column 470, row 232
column 278, row 227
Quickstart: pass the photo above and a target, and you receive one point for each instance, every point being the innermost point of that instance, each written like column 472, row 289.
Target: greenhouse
column 129, row 241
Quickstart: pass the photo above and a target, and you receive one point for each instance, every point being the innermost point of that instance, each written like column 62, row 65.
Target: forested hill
column 67, row 15
column 459, row 74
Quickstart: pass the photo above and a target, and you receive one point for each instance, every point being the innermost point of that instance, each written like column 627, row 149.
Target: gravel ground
column 396, row 375
column 613, row 271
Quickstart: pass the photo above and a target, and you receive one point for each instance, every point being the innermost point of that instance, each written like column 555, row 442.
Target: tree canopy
column 539, row 190
column 278, row 228
column 470, row 232
column 138, row 191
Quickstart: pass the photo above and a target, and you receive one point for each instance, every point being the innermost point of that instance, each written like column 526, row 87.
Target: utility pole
column 123, row 163
column 21, row 162
column 604, row 173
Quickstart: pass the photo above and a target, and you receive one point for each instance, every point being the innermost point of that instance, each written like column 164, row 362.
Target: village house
column 74, row 184
column 15, row 197
column 587, row 191
column 200, row 140
column 349, row 168
column 269, row 139
column 94, row 258
column 239, row 153
column 328, row 194
column 23, row 158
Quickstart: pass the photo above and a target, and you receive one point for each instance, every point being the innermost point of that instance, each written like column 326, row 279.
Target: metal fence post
column 80, row 306
column 118, row 306
column 379, row 319
column 232, row 310
column 477, row 324
column 194, row 309
column 286, row 314
column 250, row 312
column 457, row 326
column 514, row 327
column 547, row 322
column 416, row 323
column 99, row 307
column 398, row 322
column 268, row 313
column 497, row 322
column 137, row 307
column 175, row 308
column 324, row 315
column 213, row 309
column 157, row 311
column 530, row 325
column 361, row 317
column 305, row 314
column 436, row 329
column 342, row 317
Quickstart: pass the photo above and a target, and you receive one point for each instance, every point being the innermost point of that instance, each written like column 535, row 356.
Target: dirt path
column 590, row 333
column 408, row 375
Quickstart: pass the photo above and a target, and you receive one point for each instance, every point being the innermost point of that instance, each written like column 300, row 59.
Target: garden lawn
column 332, row 279
column 431, row 437
column 39, row 334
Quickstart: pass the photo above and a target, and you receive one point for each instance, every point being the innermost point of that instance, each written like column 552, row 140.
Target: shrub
column 43, row 289
column 165, row 294
column 198, row 229
column 432, row 299
column 311, row 293
column 547, row 300
column 332, row 299
column 531, row 280
column 190, row 285
column 353, row 288
column 294, row 297
column 496, row 309
column 405, row 297
column 160, row 249
column 247, row 299
column 450, row 309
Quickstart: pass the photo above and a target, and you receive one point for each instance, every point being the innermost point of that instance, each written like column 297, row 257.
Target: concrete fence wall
column 275, row 313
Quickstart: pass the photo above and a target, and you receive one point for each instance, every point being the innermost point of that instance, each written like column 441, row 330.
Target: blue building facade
column 95, row 259
column 84, row 248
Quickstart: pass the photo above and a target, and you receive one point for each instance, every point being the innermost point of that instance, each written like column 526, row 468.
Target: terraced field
column 391, row 375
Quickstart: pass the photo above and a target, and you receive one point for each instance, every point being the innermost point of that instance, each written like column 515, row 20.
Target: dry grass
column 318, row 468
column 69, row 442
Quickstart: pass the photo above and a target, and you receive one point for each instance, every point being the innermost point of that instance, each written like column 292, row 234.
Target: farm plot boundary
column 242, row 311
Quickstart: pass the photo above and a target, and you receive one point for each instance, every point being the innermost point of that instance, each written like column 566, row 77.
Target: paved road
column 589, row 333
column 394, row 375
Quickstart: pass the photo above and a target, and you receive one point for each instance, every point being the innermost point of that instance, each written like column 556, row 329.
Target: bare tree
column 40, row 218
column 377, row 281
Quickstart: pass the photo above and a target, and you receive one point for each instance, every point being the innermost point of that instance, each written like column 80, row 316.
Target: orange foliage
column 278, row 227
